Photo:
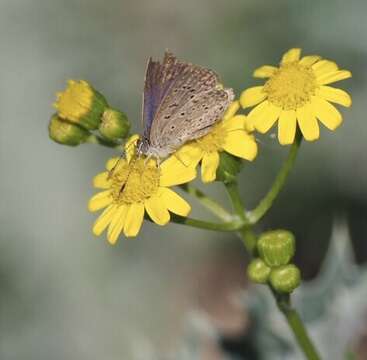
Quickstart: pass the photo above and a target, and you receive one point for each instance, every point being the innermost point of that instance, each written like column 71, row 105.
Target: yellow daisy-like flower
column 230, row 135
column 134, row 185
column 297, row 92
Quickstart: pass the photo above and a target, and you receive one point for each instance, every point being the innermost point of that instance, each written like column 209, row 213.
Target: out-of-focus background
column 65, row 294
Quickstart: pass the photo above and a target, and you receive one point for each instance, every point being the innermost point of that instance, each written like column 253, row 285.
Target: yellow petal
column 264, row 71
column 333, row 77
column 252, row 96
column 175, row 172
column 157, row 210
column 237, row 122
column 130, row 146
column 103, row 220
column 115, row 163
column 326, row 113
column 257, row 112
column 324, row 67
column 101, row 180
column 240, row 144
column 209, row 166
column 134, row 219
column 174, row 202
column 232, row 109
column 291, row 55
column 117, row 224
column 309, row 60
column 287, row 127
column 189, row 154
column 335, row 95
column 266, row 118
column 100, row 200
column 308, row 123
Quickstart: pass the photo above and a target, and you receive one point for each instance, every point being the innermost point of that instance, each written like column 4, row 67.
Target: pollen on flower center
column 291, row 86
column 212, row 141
column 134, row 182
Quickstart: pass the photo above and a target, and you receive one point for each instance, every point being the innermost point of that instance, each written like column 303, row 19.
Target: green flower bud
column 79, row 103
column 258, row 271
column 114, row 125
column 66, row 133
column 285, row 278
column 276, row 247
column 229, row 167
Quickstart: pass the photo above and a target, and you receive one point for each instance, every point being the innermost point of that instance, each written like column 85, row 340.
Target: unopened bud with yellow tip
column 114, row 125
column 258, row 271
column 285, row 278
column 81, row 104
column 276, row 247
column 66, row 133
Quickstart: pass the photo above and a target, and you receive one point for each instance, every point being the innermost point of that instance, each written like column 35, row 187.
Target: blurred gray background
column 65, row 294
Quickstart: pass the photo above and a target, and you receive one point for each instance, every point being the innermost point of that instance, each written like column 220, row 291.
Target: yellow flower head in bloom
column 230, row 135
column 296, row 92
column 134, row 185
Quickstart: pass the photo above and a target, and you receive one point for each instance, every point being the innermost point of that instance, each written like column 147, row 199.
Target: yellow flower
column 230, row 135
column 296, row 92
column 134, row 185
column 81, row 104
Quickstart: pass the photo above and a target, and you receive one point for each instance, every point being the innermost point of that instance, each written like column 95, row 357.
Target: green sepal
column 276, row 247
column 114, row 125
column 229, row 167
column 285, row 278
column 93, row 118
column 258, row 271
column 66, row 133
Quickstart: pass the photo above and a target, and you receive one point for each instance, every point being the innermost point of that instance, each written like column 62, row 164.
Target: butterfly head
column 144, row 147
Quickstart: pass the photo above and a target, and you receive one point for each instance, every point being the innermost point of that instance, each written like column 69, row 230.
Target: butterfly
column 181, row 102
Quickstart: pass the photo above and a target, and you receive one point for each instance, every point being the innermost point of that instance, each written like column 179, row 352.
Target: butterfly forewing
column 182, row 102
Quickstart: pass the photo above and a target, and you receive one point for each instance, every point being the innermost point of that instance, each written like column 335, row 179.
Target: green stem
column 208, row 202
column 208, row 225
column 297, row 326
column 265, row 204
column 246, row 234
column 249, row 240
column 234, row 196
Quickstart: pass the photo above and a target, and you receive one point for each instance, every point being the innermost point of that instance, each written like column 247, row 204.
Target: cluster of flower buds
column 275, row 249
column 81, row 110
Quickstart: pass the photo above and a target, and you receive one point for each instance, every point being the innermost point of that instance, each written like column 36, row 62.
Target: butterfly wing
column 192, row 103
column 158, row 80
column 196, row 118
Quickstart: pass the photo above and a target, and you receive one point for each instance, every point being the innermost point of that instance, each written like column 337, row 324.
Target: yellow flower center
column 214, row 140
column 135, row 182
column 75, row 101
column 291, row 86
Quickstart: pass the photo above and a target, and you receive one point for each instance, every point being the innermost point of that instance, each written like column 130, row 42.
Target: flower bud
column 258, row 271
column 285, row 278
column 66, row 133
column 81, row 104
column 229, row 167
column 276, row 247
column 114, row 125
